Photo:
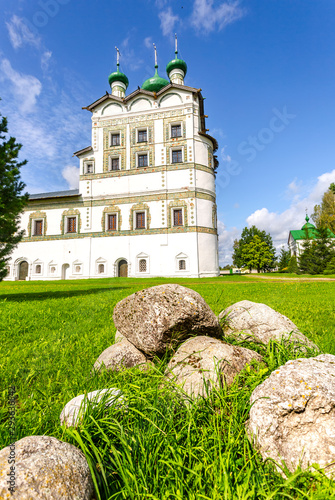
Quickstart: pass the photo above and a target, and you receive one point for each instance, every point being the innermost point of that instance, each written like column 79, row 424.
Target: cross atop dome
column 118, row 80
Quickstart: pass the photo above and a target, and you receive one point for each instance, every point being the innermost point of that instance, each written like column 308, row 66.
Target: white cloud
column 148, row 42
column 71, row 175
column 168, row 21
column 279, row 224
column 45, row 58
column 226, row 240
column 20, row 34
column 26, row 88
column 208, row 18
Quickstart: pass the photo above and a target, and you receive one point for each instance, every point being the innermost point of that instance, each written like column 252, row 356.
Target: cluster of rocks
column 292, row 411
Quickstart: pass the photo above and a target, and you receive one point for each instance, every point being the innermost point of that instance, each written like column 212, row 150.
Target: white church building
column 146, row 203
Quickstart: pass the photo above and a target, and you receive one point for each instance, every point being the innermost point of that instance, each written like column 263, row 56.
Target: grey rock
column 121, row 355
column 202, row 363
column 75, row 409
column 162, row 316
column 45, row 469
column 293, row 413
column 261, row 323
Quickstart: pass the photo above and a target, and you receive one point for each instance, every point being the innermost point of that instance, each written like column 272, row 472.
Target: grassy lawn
column 51, row 334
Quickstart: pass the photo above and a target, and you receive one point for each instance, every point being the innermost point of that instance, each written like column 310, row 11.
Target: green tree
column 293, row 265
column 256, row 254
column 246, row 237
column 306, row 259
column 324, row 214
column 11, row 200
column 330, row 267
column 317, row 253
column 284, row 259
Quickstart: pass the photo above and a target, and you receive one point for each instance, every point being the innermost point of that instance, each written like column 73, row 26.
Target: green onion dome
column 176, row 64
column 117, row 76
column 308, row 225
column 155, row 83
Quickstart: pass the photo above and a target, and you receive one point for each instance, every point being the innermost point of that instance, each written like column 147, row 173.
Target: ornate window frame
column 179, row 204
column 139, row 207
column 72, row 212
column 35, row 216
column 112, row 209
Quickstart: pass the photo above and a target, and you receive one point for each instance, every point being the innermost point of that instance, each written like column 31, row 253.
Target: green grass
column 52, row 332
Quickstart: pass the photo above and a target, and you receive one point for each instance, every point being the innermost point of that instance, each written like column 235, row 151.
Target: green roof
column 176, row 64
column 300, row 234
column 155, row 83
column 117, row 76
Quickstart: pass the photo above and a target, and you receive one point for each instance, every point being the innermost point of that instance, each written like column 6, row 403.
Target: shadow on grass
column 59, row 294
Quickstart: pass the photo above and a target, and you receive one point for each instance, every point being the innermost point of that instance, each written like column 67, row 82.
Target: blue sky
column 266, row 68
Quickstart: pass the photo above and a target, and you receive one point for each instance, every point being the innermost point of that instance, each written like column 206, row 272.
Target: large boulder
column 159, row 317
column 121, row 355
column 202, row 363
column 75, row 409
column 261, row 323
column 42, row 467
column 293, row 413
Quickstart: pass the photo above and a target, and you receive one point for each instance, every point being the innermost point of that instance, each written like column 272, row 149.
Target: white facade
column 146, row 204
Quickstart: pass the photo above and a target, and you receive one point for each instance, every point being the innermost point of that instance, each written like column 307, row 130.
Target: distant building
column 298, row 236
column 146, row 203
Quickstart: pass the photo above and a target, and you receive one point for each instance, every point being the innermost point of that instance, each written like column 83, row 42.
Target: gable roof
column 54, row 194
column 300, row 234
column 138, row 91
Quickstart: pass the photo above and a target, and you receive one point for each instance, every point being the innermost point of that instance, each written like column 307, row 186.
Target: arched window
column 182, row 265
column 143, row 266
column 38, row 269
column 101, row 268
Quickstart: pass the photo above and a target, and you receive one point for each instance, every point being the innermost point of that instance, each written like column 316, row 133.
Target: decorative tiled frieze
column 149, row 170
column 214, row 216
column 210, row 157
column 133, row 232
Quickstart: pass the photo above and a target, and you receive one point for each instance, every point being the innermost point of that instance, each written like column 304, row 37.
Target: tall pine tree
column 12, row 202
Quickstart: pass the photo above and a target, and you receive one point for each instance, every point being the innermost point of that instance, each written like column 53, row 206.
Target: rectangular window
column 72, row 224
column 111, row 222
column 115, row 163
column 38, row 227
column 140, row 220
column 175, row 130
column 177, row 156
column 178, row 217
column 89, row 168
column 142, row 160
column 142, row 135
column 115, row 139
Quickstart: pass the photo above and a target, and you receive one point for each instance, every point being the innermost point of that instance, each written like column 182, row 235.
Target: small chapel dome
column 155, row 83
column 118, row 80
column 177, row 68
column 308, row 225
column 176, row 64
column 118, row 76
